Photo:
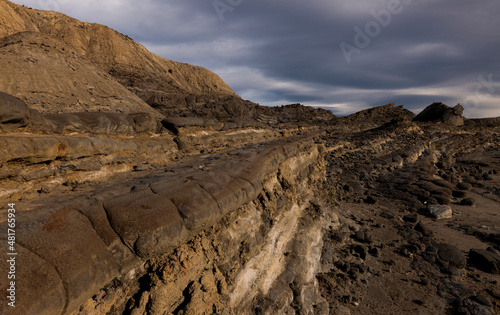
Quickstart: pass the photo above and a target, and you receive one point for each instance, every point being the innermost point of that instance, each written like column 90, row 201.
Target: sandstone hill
column 59, row 64
column 76, row 58
column 52, row 78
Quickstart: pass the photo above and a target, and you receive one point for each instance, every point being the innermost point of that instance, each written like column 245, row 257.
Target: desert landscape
column 133, row 184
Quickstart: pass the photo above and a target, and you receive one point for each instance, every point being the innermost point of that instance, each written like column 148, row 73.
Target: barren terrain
column 132, row 184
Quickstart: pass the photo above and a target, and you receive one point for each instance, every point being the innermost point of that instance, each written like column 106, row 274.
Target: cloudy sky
column 341, row 55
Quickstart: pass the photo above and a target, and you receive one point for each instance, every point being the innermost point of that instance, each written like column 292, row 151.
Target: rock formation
column 225, row 206
column 439, row 112
column 58, row 64
column 381, row 115
column 72, row 51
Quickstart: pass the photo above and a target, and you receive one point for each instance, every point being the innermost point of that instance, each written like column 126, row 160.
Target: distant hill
column 381, row 114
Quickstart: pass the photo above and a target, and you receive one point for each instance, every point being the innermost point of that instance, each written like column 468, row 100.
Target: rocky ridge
column 200, row 216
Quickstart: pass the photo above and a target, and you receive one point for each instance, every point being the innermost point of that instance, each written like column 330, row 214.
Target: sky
column 340, row 55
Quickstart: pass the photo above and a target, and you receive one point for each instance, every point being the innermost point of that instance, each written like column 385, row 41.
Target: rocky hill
column 51, row 77
column 82, row 58
column 59, row 64
column 380, row 115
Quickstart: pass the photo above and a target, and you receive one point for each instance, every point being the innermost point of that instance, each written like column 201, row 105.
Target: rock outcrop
column 377, row 116
column 486, row 122
column 13, row 111
column 439, row 112
column 202, row 239
column 17, row 116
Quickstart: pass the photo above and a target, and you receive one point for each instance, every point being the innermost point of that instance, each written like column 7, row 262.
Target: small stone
column 482, row 300
column 473, row 307
column 411, row 218
column 468, row 202
column 487, row 177
column 440, row 212
column 359, row 236
column 429, row 257
column 424, row 229
column 362, row 250
column 459, row 194
column 485, row 260
column 44, row 190
column 495, row 293
column 388, row 214
column 452, row 255
column 88, row 166
column 371, row 200
column 454, row 271
column 374, row 251
column 464, row 186
column 343, row 310
column 141, row 167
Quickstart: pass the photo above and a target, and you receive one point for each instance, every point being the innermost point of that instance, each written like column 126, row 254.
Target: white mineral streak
column 260, row 272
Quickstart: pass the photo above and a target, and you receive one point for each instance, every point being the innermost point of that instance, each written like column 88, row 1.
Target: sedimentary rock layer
column 246, row 200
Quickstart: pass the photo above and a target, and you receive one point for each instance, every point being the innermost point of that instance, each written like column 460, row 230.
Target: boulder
column 468, row 202
column 453, row 116
column 452, row 255
column 424, row 229
column 486, row 260
column 148, row 223
column 440, row 211
column 143, row 122
column 439, row 112
column 12, row 110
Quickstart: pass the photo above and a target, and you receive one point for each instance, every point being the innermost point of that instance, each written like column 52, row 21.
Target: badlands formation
column 146, row 186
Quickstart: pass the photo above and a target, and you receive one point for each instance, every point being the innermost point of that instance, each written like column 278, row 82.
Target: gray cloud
column 278, row 52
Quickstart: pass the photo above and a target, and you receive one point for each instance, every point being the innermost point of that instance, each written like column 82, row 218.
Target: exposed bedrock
column 244, row 231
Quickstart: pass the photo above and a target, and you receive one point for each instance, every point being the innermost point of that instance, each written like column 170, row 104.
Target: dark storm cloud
column 276, row 52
